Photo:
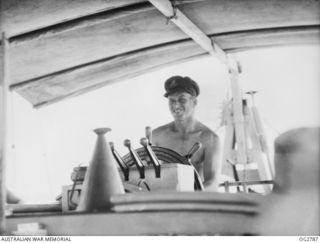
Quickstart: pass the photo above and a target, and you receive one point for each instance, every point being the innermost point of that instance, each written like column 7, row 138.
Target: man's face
column 182, row 105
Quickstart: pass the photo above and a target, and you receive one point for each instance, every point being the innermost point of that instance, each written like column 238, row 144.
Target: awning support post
column 3, row 117
column 188, row 27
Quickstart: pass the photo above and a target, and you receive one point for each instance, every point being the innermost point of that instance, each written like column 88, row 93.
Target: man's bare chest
column 180, row 143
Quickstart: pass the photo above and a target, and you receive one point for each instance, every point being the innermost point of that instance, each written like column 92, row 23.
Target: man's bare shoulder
column 162, row 129
column 161, row 134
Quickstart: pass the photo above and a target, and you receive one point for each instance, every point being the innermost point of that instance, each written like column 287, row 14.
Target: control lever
column 197, row 179
column 135, row 158
column 121, row 163
column 149, row 135
column 145, row 143
column 235, row 172
column 195, row 148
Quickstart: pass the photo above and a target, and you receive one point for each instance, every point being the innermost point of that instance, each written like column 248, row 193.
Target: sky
column 47, row 143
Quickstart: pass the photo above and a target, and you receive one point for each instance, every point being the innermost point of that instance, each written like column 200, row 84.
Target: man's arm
column 212, row 163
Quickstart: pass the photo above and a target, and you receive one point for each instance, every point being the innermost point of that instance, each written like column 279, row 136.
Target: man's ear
column 195, row 101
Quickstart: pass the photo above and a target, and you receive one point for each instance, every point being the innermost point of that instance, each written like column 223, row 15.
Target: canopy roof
column 63, row 48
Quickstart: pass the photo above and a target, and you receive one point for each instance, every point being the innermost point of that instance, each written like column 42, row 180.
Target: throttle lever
column 152, row 155
column 121, row 163
column 197, row 179
column 149, row 135
column 135, row 158
column 195, row 148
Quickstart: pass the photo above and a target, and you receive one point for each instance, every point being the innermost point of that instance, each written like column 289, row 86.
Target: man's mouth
column 177, row 112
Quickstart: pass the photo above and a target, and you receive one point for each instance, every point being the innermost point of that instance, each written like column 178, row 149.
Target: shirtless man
column 181, row 134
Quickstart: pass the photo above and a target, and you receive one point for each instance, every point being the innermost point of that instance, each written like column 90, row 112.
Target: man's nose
column 175, row 105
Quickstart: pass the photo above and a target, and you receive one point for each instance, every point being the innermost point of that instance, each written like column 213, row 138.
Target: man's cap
column 181, row 84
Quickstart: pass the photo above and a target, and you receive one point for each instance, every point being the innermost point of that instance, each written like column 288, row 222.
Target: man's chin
column 179, row 118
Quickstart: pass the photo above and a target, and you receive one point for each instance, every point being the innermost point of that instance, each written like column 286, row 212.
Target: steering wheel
column 165, row 155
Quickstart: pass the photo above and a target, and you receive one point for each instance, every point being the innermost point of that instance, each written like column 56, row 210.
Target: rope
column 145, row 183
column 269, row 125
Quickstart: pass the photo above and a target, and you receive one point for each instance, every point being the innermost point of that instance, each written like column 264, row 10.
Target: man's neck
column 185, row 126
